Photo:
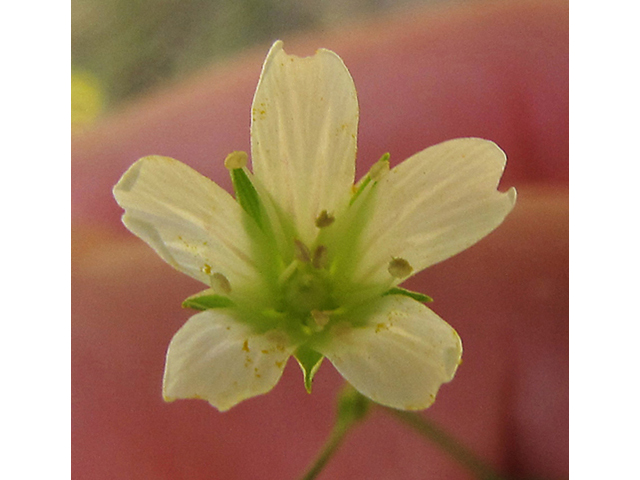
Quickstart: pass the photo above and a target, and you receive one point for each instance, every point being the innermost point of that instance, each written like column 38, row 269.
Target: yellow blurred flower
column 87, row 99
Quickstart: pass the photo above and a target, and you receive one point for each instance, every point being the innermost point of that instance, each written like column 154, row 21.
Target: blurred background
column 122, row 49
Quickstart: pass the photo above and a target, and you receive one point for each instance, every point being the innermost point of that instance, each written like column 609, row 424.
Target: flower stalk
column 352, row 409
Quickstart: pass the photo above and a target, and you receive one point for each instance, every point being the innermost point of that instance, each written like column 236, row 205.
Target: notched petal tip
column 475, row 147
column 275, row 47
column 507, row 202
column 130, row 177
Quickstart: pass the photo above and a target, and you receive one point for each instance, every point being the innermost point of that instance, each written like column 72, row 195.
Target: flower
column 303, row 262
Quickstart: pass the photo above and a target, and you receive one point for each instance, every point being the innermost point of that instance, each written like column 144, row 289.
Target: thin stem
column 449, row 444
column 329, row 449
column 352, row 408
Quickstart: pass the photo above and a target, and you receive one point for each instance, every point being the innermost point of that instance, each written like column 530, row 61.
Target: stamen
column 288, row 272
column 319, row 257
column 220, row 283
column 324, row 219
column 302, row 252
column 236, row 160
column 399, row 268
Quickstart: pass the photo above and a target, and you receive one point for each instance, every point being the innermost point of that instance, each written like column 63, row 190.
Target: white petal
column 216, row 358
column 400, row 357
column 303, row 135
column 191, row 222
column 434, row 205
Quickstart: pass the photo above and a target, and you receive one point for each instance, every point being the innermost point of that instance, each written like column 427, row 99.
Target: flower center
column 306, row 283
column 306, row 290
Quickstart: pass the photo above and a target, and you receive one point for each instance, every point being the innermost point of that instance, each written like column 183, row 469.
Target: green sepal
column 420, row 297
column 309, row 361
column 246, row 194
column 207, row 300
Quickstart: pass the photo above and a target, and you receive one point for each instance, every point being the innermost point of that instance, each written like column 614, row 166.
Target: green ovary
column 307, row 290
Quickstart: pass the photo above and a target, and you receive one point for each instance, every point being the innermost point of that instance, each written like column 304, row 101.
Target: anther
column 399, row 268
column 220, row 283
column 302, row 252
column 324, row 219
column 319, row 257
column 236, row 160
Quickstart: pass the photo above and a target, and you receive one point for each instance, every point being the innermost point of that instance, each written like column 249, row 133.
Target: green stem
column 352, row 409
column 449, row 444
column 337, row 435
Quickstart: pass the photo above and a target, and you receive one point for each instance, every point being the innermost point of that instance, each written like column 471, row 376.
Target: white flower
column 305, row 263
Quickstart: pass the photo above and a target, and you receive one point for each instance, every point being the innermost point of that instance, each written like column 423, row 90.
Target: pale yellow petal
column 434, row 205
column 400, row 357
column 303, row 135
column 193, row 224
column 216, row 358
